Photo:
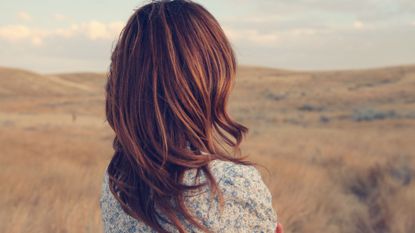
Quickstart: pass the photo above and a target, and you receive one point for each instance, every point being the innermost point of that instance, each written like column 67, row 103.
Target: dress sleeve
column 248, row 201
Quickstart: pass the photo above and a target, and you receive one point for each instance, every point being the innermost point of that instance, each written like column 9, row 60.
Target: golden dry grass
column 339, row 147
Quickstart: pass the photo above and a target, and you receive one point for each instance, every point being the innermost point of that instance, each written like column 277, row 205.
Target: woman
column 177, row 164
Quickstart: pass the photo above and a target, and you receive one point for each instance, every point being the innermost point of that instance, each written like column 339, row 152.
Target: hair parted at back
column 171, row 73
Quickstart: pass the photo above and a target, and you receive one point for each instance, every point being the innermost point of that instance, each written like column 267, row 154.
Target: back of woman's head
column 170, row 76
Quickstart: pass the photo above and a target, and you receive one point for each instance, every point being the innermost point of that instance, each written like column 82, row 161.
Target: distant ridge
column 243, row 68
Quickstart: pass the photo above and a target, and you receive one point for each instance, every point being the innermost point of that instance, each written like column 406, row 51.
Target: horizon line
column 300, row 70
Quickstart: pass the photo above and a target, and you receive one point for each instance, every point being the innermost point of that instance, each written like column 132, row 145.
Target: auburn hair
column 171, row 73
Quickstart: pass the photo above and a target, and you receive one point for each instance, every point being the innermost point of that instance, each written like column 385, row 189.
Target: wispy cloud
column 24, row 16
column 15, row 32
column 92, row 30
column 251, row 36
column 96, row 30
column 359, row 25
column 59, row 17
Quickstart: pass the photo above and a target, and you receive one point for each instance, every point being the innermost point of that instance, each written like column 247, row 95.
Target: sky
column 50, row 36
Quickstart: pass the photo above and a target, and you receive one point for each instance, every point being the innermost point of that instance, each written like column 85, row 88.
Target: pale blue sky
column 64, row 36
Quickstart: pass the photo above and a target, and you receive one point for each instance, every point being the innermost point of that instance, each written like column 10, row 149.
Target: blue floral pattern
column 248, row 204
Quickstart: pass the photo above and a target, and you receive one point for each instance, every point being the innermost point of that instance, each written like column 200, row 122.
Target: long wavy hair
column 171, row 73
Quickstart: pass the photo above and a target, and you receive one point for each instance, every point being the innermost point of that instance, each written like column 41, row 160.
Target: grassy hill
column 337, row 147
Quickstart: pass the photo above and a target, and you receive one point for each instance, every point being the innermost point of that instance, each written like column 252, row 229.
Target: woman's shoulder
column 247, row 199
column 227, row 174
column 240, row 178
column 226, row 169
column 231, row 174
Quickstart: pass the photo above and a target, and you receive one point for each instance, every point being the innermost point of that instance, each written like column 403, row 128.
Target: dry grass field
column 339, row 148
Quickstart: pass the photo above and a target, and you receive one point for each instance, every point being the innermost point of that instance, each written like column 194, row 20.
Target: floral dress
column 248, row 204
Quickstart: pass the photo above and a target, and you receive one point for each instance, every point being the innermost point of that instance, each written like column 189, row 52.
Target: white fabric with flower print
column 248, row 204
